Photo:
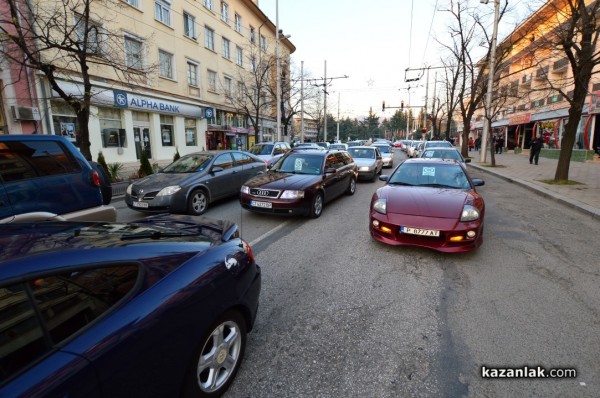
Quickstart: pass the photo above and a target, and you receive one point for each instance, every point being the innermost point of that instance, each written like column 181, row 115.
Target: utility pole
column 488, row 105
column 326, row 82
column 338, row 119
column 301, row 101
column 325, row 108
column 426, row 94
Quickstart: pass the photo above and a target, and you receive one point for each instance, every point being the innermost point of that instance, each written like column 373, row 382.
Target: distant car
column 411, row 151
column 443, row 153
column 192, row 182
column 437, row 144
column 387, row 154
column 301, row 183
column 269, row 150
column 430, row 203
column 339, row 146
column 354, row 143
column 369, row 161
column 323, row 144
column 307, row 145
column 45, row 177
column 158, row 307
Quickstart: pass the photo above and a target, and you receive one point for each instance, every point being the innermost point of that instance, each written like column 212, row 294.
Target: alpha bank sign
column 128, row 101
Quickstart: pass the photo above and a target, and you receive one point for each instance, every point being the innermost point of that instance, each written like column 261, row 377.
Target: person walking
column 535, row 148
column 477, row 143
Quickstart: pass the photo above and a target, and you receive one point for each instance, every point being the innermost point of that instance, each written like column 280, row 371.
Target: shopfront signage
column 123, row 100
column 520, row 119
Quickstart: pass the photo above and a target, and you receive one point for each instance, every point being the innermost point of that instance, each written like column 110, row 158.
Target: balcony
column 542, row 73
column 560, row 66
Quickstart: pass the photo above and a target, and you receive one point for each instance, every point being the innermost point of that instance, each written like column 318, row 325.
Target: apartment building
column 191, row 59
column 311, row 131
column 528, row 102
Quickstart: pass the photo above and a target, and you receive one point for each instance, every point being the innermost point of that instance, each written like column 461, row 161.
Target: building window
column 162, row 11
column 239, row 56
column 192, row 73
column 134, row 3
column 133, row 52
column 94, row 37
column 189, row 25
column 263, row 42
column 227, row 86
column 208, row 4
column 65, row 121
column 191, row 138
column 212, row 81
column 113, row 135
column 252, row 34
column 238, row 23
column 209, row 39
column 165, row 62
column 166, row 130
column 224, row 11
column 253, row 62
column 240, row 90
column 226, row 45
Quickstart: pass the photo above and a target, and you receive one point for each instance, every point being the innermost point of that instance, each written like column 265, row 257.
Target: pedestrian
column 499, row 144
column 535, row 148
column 477, row 143
column 471, row 143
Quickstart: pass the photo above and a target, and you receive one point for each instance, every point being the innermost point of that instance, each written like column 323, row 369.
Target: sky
column 373, row 43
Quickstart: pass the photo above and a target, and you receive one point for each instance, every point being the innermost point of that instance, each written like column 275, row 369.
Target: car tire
column 316, row 207
column 105, row 185
column 351, row 186
column 197, row 202
column 218, row 357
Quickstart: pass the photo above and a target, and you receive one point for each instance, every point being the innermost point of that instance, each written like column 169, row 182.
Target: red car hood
column 277, row 180
column 426, row 201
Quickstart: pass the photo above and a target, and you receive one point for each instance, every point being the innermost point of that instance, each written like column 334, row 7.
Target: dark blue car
column 159, row 307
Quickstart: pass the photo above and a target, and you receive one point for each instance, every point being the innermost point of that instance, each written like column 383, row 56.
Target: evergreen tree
column 145, row 166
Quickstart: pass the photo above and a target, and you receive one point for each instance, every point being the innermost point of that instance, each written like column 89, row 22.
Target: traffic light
column 401, row 104
column 383, row 106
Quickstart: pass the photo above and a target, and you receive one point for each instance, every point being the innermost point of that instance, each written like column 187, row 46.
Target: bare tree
column 69, row 40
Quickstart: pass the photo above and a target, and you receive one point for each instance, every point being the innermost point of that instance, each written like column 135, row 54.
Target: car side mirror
column 330, row 170
column 478, row 182
column 468, row 160
column 384, row 177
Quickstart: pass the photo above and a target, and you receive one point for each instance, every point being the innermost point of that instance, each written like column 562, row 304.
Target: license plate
column 419, row 231
column 140, row 204
column 266, row 205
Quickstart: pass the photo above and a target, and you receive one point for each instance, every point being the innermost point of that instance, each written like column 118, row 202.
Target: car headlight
column 166, row 191
column 469, row 213
column 364, row 168
column 380, row 206
column 292, row 195
column 129, row 188
column 245, row 190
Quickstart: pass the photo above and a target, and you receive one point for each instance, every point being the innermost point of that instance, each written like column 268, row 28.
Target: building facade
column 192, row 59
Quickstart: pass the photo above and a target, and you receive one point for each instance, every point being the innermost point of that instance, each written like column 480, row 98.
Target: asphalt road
column 344, row 316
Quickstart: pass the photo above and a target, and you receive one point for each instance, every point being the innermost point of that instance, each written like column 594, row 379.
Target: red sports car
column 430, row 203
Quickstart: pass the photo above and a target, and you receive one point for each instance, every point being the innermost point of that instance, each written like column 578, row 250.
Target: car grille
column 146, row 195
column 264, row 193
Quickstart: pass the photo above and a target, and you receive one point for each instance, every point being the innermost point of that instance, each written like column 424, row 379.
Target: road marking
column 271, row 232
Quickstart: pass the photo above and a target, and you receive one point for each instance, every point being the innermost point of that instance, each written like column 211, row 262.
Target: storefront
column 123, row 125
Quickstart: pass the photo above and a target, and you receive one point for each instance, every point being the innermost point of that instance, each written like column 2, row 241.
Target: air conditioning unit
column 25, row 113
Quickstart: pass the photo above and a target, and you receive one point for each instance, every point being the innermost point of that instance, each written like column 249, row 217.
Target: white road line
column 267, row 234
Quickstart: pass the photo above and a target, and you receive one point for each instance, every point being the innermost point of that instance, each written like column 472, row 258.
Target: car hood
column 161, row 180
column 426, row 201
column 277, row 180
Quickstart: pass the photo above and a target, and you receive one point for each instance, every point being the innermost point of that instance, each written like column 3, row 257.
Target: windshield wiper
column 156, row 235
column 401, row 183
column 438, row 186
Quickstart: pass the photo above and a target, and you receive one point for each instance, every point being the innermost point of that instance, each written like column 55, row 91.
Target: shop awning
column 500, row 123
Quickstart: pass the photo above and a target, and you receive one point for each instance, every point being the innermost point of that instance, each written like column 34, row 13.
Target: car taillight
column 96, row 179
column 248, row 250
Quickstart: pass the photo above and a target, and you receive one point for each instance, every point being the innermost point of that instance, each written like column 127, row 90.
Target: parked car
column 191, row 183
column 387, row 154
column 302, row 182
column 412, row 150
column 430, row 203
column 444, row 153
column 267, row 151
column 369, row 161
column 45, row 177
column 158, row 307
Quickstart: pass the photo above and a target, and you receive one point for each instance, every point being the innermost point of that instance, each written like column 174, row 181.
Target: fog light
column 471, row 234
column 387, row 230
column 456, row 238
column 375, row 223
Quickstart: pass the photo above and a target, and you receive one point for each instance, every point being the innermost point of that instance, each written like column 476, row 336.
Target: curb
column 574, row 204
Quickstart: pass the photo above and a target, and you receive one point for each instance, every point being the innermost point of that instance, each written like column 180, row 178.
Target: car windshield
column 442, row 154
column 300, row 164
column 261, row 149
column 362, row 153
column 444, row 144
column 430, row 175
column 189, row 164
column 384, row 148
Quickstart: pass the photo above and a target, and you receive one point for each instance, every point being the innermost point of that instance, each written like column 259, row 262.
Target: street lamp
column 487, row 124
column 278, row 32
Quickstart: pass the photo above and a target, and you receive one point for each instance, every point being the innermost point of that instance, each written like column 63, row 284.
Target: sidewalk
column 516, row 168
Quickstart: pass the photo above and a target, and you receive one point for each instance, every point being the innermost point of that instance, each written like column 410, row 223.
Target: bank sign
column 124, row 100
